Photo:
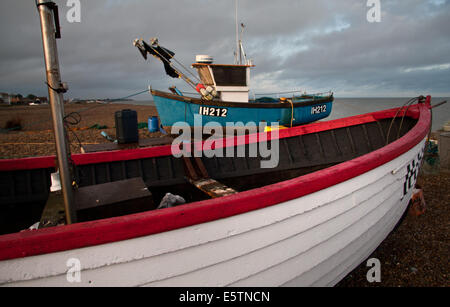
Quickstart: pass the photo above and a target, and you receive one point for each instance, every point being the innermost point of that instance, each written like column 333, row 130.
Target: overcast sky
column 312, row 45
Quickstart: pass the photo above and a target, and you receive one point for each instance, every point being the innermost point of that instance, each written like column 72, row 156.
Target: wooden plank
column 189, row 169
column 201, row 167
column 106, row 147
column 112, row 199
column 350, row 138
column 148, row 142
column 197, row 175
column 366, row 136
column 333, row 136
column 106, row 193
column 213, row 188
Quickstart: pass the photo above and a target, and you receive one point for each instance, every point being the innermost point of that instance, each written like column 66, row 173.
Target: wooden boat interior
column 25, row 192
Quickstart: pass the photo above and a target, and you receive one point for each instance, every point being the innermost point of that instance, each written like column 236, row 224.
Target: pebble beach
column 36, row 138
column 414, row 254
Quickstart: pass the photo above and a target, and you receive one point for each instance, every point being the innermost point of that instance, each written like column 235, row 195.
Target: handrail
column 293, row 92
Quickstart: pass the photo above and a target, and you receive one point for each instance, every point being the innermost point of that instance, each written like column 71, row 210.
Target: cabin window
column 230, row 75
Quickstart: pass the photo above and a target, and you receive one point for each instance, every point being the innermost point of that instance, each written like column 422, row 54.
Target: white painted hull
column 314, row 240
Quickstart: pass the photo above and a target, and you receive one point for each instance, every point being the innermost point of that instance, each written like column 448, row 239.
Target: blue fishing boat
column 223, row 95
column 174, row 110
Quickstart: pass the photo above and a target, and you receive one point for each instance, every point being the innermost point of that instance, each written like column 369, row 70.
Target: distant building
column 41, row 100
column 16, row 99
column 5, row 98
column 12, row 99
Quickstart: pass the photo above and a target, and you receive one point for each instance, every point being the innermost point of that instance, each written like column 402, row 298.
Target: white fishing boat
column 337, row 190
column 324, row 214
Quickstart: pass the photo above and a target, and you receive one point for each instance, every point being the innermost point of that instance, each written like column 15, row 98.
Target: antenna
column 241, row 47
column 238, row 50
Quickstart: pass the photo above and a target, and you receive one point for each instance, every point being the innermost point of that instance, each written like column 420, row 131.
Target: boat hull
column 307, row 231
column 314, row 240
column 176, row 111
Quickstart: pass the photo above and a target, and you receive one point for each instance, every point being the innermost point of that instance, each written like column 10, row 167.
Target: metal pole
column 56, row 104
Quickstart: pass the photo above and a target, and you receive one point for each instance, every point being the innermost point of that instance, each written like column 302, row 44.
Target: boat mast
column 238, row 49
column 239, row 55
column 48, row 12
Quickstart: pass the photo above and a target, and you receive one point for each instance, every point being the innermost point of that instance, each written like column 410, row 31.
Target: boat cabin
column 230, row 81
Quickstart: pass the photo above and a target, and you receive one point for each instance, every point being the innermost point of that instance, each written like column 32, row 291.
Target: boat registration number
column 319, row 109
column 212, row 111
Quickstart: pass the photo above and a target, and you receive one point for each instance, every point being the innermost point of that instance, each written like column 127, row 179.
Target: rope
column 427, row 142
column 292, row 111
column 129, row 96
column 73, row 119
column 284, row 100
column 409, row 102
column 403, row 117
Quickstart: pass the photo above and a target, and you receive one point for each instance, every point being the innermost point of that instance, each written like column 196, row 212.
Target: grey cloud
column 313, row 44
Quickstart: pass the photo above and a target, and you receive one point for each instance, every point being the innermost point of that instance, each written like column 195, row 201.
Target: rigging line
column 111, row 101
column 132, row 95
column 79, row 111
column 80, row 145
column 181, row 64
column 191, row 73
column 403, row 117
column 395, row 116
column 190, row 93
column 72, row 119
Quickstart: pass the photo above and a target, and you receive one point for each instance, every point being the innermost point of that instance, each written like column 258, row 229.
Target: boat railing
column 279, row 94
column 290, row 94
column 293, row 93
column 276, row 95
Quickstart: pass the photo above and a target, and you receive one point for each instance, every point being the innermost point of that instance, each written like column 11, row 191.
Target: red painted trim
column 121, row 155
column 69, row 237
column 27, row 163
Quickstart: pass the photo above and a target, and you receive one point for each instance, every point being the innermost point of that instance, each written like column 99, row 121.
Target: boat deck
column 28, row 190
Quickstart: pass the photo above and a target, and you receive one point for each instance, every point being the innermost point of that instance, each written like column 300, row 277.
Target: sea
column 344, row 107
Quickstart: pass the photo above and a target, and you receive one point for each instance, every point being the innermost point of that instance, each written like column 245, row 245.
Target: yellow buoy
column 271, row 128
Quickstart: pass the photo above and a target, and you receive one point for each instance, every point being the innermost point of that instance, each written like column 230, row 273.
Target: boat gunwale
column 69, row 237
column 219, row 103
